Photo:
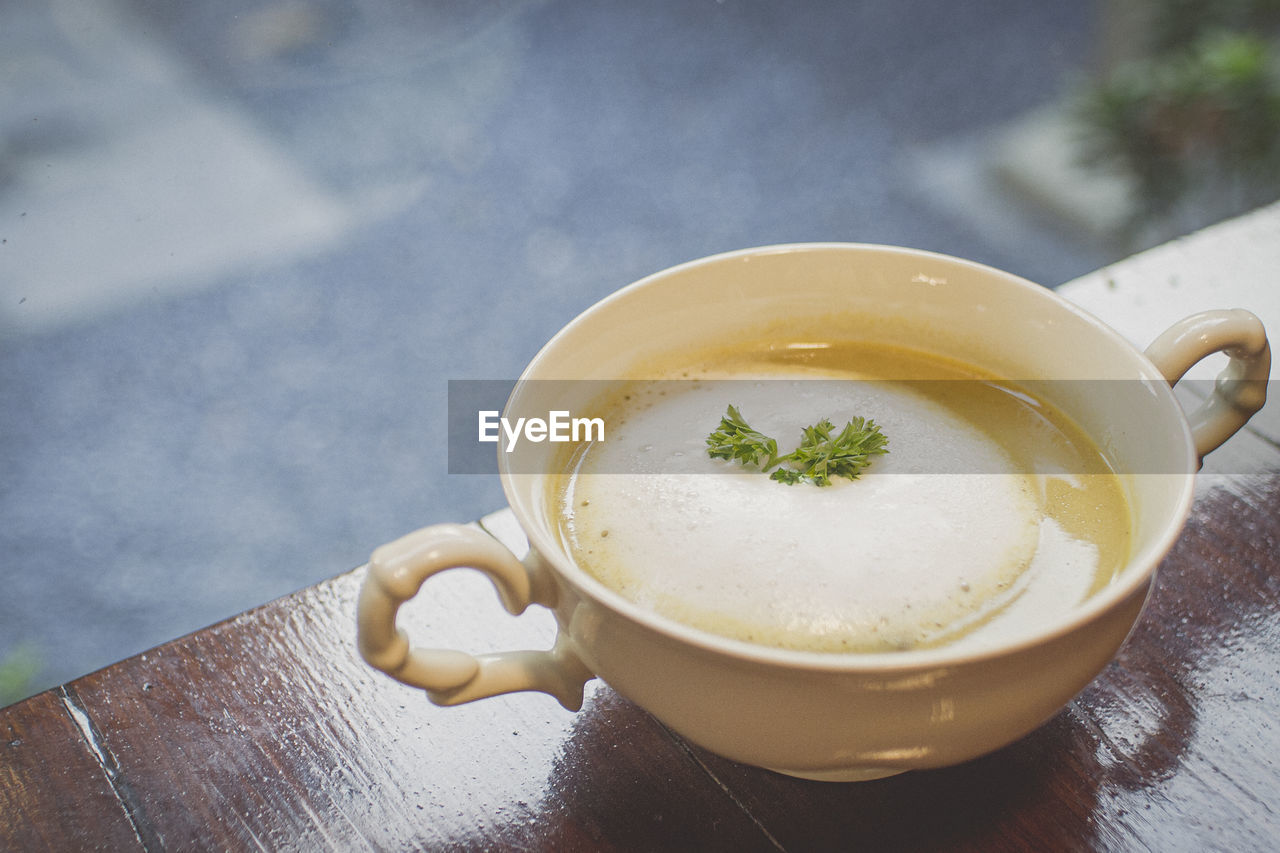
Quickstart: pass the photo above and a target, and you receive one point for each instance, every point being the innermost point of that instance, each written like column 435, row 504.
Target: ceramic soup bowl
column 822, row 715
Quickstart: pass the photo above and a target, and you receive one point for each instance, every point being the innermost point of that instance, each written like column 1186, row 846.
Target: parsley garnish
column 819, row 457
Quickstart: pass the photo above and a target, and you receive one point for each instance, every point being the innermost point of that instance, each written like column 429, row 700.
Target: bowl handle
column 1241, row 387
column 398, row 570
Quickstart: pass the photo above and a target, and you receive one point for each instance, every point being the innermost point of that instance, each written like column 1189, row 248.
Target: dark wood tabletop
column 267, row 731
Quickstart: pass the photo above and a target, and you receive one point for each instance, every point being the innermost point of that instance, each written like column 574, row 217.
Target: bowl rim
column 1135, row 577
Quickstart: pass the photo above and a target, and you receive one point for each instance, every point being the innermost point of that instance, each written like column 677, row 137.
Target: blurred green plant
column 1177, row 24
column 18, row 670
column 1196, row 122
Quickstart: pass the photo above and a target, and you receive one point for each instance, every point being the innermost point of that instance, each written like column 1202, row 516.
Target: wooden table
column 268, row 732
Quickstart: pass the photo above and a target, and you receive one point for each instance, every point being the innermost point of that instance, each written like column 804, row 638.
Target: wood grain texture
column 53, row 789
column 268, row 732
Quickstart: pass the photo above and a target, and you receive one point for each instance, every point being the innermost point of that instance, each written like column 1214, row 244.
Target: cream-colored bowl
column 822, row 715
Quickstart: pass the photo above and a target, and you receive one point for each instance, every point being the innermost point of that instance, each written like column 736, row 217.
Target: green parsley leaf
column 819, row 457
column 734, row 439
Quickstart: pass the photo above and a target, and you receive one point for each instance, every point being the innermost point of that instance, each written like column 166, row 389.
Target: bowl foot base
column 845, row 774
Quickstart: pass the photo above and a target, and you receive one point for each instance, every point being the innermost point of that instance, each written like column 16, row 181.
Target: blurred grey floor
column 245, row 244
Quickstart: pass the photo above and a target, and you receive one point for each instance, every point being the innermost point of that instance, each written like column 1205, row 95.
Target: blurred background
column 245, row 244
